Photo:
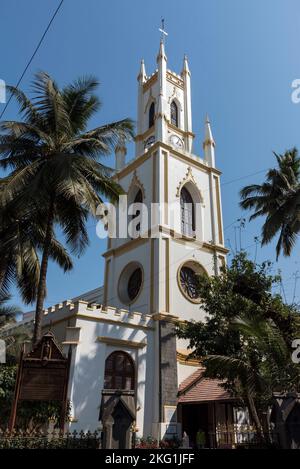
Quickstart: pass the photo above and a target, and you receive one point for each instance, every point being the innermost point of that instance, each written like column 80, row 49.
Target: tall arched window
column 138, row 200
column 151, row 115
column 119, row 371
column 174, row 113
column 187, row 212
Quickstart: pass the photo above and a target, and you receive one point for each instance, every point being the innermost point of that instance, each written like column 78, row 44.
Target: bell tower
column 181, row 234
column 177, row 214
column 164, row 106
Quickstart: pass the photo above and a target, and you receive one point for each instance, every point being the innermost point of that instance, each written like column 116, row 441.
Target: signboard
column 42, row 383
column 43, row 375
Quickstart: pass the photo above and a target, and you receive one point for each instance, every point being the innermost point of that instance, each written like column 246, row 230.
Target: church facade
column 129, row 371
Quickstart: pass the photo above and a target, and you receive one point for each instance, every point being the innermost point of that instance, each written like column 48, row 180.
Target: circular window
column 130, row 283
column 188, row 278
column 134, row 283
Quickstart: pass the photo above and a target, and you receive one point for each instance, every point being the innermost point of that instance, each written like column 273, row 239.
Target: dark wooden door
column 121, row 428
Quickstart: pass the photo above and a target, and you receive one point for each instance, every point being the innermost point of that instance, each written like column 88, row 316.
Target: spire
column 120, row 154
column 209, row 144
column 186, row 77
column 161, row 53
column 185, row 68
column 161, row 103
column 208, row 138
column 142, row 73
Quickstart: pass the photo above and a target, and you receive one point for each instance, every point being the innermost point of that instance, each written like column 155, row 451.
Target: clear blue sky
column 243, row 56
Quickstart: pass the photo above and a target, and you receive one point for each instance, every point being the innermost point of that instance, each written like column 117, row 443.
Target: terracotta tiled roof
column 195, row 388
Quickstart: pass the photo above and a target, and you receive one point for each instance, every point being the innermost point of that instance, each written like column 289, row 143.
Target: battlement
column 82, row 309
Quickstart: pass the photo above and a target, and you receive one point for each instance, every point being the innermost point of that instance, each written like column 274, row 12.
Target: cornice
column 192, row 161
column 121, row 342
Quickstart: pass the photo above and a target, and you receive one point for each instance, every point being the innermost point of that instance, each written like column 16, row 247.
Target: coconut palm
column 278, row 200
column 7, row 312
column 262, row 367
column 54, row 162
column 21, row 237
column 13, row 334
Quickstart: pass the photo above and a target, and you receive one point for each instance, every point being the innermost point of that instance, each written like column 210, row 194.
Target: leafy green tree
column 278, row 200
column 54, row 163
column 247, row 336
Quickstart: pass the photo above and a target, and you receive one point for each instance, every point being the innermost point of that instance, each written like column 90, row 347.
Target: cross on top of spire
column 162, row 30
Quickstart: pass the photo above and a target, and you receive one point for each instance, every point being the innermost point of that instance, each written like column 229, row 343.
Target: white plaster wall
column 184, row 371
column 152, row 94
column 144, row 175
column 140, row 254
column 172, row 91
column 88, row 375
column 179, row 305
column 178, row 170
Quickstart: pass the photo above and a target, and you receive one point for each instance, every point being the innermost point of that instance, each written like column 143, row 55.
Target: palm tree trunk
column 41, row 292
column 255, row 417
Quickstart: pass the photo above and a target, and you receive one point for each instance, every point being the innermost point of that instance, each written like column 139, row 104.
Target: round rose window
column 188, row 280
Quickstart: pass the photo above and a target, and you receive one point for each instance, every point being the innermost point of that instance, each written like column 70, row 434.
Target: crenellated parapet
column 83, row 310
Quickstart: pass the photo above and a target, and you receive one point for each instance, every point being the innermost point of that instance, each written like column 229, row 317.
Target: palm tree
column 262, row 367
column 278, row 200
column 21, row 236
column 55, row 163
column 8, row 313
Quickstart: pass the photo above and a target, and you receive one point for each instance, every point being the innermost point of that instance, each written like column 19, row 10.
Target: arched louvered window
column 187, row 212
column 174, row 114
column 119, row 371
column 151, row 115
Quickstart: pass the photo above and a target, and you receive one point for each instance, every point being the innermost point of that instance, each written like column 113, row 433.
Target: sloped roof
column 195, row 388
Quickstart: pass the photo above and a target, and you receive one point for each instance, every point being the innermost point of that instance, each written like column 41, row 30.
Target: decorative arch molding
column 136, row 183
column 150, row 100
column 189, row 179
column 174, row 97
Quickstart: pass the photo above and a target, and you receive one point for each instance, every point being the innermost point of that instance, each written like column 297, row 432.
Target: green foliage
column 7, row 384
column 151, row 443
column 278, row 200
column 8, row 312
column 248, row 333
column 22, row 231
column 56, row 180
column 146, row 443
column 31, row 415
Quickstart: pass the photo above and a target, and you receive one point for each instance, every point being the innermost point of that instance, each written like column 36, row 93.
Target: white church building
column 129, row 371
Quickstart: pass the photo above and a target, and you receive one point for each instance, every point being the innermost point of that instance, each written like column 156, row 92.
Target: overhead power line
column 33, row 55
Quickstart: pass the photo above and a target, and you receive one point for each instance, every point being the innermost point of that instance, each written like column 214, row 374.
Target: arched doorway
column 118, row 400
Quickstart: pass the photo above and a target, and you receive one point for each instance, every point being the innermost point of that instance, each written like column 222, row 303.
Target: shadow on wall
column 88, row 373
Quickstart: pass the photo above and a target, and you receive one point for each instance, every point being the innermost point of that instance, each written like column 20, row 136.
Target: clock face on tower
column 176, row 141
